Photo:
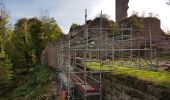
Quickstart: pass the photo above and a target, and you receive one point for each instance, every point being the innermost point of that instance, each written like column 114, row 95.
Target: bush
column 36, row 85
column 5, row 76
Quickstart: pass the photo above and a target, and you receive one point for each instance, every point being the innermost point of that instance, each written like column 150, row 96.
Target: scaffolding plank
column 85, row 87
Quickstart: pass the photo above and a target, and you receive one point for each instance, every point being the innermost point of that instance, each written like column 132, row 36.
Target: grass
column 161, row 78
column 36, row 85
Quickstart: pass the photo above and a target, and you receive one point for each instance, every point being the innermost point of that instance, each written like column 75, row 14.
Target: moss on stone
column 160, row 78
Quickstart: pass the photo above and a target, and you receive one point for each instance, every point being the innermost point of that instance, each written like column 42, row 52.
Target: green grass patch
column 161, row 78
column 36, row 85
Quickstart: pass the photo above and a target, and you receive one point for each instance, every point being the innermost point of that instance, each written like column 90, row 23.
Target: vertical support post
column 113, row 51
column 122, row 35
column 150, row 42
column 62, row 53
column 145, row 49
column 138, row 50
column 101, row 22
column 106, row 44
column 90, row 62
column 68, row 74
column 74, row 58
column 85, row 54
column 131, row 46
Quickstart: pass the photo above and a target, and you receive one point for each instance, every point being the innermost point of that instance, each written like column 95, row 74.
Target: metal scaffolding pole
column 85, row 53
column 131, row 45
column 101, row 22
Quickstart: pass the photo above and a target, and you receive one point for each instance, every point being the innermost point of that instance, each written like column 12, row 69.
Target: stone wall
column 120, row 87
column 50, row 54
column 151, row 25
column 121, row 9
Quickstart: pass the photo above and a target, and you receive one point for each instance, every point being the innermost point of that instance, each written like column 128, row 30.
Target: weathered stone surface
column 119, row 88
column 121, row 9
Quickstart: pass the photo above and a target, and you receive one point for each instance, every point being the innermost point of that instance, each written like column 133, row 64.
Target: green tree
column 5, row 64
column 3, row 33
column 55, row 31
column 51, row 30
column 31, row 37
column 5, row 76
column 35, row 29
column 23, row 40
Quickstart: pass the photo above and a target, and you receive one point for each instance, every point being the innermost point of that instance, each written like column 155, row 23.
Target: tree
column 51, row 30
column 31, row 36
column 35, row 29
column 5, row 64
column 55, row 31
column 5, row 75
column 22, row 40
column 3, row 32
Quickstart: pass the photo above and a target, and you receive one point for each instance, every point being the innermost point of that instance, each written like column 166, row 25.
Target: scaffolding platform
column 88, row 87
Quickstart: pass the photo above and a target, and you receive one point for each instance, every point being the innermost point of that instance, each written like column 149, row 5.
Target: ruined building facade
column 121, row 9
column 160, row 41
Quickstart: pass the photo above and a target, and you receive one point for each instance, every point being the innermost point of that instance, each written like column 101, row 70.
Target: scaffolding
column 122, row 46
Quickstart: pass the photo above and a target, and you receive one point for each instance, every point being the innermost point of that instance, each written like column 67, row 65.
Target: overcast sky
column 67, row 12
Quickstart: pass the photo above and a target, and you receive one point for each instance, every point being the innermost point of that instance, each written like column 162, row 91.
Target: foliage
column 116, row 27
column 36, row 84
column 20, row 50
column 31, row 36
column 51, row 30
column 137, row 23
column 73, row 26
column 3, row 32
column 35, row 26
column 5, row 75
column 22, row 40
column 5, row 72
column 5, row 63
column 2, row 54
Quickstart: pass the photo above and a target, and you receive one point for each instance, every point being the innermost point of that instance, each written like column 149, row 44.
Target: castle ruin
column 121, row 9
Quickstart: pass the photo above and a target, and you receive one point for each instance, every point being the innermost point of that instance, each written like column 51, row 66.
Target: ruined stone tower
column 121, row 9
